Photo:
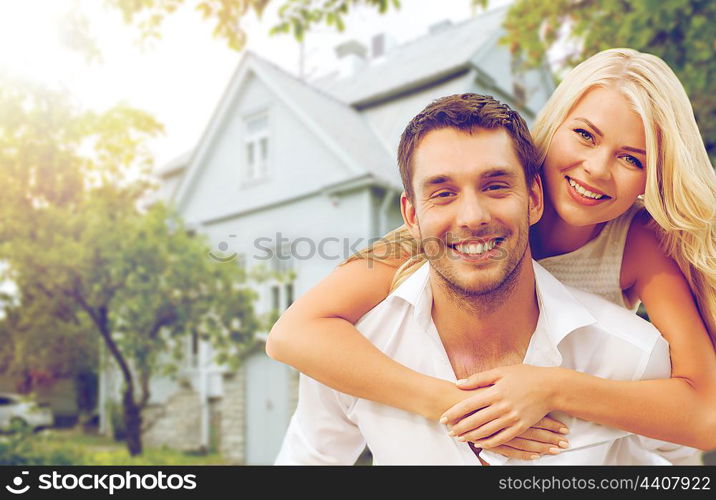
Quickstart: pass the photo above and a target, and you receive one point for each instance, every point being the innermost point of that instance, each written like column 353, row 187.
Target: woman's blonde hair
column 680, row 190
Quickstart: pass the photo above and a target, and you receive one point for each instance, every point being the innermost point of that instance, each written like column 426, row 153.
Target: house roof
column 329, row 107
column 419, row 62
column 339, row 126
column 340, row 122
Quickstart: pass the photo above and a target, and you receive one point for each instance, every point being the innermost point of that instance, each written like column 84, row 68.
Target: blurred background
column 176, row 172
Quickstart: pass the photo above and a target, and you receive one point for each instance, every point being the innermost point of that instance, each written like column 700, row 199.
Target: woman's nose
column 597, row 164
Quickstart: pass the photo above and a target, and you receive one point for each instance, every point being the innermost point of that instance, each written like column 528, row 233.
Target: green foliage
column 72, row 448
column 92, row 258
column 295, row 16
column 22, row 447
column 299, row 16
column 681, row 32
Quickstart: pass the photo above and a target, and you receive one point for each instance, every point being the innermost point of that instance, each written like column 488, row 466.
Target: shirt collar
column 560, row 312
column 417, row 292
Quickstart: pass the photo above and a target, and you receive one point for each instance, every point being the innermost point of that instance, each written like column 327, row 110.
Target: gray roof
column 175, row 164
column 331, row 104
column 341, row 122
column 418, row 62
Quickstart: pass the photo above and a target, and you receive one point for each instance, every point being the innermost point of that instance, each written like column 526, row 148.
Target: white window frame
column 256, row 171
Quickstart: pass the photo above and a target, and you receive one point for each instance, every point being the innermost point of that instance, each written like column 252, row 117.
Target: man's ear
column 407, row 209
column 536, row 200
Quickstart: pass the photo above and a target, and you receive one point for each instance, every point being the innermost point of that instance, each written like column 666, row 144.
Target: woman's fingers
column 501, row 427
column 475, row 420
column 479, row 379
column 479, row 400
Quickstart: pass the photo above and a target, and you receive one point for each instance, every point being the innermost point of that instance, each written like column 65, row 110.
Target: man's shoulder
column 617, row 321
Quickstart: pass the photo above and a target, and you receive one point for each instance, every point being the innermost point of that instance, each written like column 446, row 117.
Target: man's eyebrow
column 498, row 172
column 599, row 132
column 435, row 180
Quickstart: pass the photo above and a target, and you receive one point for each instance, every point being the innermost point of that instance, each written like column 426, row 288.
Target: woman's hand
column 541, row 439
column 507, row 402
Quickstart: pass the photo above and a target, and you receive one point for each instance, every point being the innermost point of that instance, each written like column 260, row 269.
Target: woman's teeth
column 477, row 248
column 585, row 192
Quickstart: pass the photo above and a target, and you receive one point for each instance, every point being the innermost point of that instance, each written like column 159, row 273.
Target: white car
column 18, row 410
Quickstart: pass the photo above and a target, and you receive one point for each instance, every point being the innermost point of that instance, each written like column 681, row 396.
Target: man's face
column 472, row 208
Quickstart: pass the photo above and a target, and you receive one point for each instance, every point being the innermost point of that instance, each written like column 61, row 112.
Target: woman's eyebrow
column 599, row 132
column 635, row 150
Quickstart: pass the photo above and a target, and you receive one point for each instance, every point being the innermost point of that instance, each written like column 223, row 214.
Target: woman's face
column 596, row 165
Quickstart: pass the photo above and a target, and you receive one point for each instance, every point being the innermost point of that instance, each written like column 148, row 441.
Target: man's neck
column 483, row 332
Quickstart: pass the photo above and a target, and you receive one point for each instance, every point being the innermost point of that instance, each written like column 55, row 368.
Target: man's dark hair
column 466, row 112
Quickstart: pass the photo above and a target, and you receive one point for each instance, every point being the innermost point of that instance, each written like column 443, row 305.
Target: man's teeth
column 585, row 192
column 476, row 248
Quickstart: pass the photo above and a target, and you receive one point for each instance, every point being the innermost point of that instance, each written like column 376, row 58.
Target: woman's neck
column 553, row 236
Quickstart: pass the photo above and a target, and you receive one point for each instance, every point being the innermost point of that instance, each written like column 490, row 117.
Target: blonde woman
column 617, row 130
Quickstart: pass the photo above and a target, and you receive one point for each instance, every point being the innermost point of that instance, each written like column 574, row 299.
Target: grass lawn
column 100, row 450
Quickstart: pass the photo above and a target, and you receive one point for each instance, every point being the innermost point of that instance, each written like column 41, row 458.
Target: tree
column 296, row 16
column 681, row 32
column 83, row 246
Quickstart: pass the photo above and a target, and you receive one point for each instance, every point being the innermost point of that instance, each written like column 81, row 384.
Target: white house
column 297, row 175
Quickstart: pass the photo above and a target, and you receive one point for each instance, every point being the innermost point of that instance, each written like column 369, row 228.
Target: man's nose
column 473, row 212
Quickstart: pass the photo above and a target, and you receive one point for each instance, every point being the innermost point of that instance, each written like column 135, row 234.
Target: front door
column 268, row 407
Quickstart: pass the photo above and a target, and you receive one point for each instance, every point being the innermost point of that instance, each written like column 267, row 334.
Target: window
column 256, row 144
column 281, row 296
column 282, row 259
column 276, row 298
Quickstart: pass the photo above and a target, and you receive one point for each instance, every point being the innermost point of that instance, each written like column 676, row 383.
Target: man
column 472, row 191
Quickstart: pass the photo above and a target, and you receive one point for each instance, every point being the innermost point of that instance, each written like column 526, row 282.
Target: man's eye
column 584, row 134
column 496, row 187
column 442, row 194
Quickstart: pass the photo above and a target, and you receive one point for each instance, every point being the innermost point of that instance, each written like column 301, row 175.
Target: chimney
column 440, row 26
column 381, row 44
column 351, row 57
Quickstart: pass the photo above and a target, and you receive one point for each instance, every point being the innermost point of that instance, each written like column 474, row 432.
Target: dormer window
column 256, row 147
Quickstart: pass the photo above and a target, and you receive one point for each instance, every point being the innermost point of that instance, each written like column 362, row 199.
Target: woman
column 618, row 128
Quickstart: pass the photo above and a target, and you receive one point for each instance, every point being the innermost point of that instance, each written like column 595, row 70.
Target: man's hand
column 543, row 438
column 504, row 404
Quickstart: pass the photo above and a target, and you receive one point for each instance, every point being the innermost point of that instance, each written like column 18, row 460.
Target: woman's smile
column 584, row 195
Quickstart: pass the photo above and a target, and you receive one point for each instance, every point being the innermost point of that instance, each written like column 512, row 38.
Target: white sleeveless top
column 596, row 267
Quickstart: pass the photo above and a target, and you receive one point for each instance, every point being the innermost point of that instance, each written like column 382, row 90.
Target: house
column 297, row 175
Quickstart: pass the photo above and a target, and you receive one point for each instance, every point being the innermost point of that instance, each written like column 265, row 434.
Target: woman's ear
column 536, row 200
column 407, row 209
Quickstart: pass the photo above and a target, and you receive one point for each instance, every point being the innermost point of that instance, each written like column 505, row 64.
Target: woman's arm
column 317, row 337
column 681, row 409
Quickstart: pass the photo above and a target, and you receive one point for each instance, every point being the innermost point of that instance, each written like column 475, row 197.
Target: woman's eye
column 631, row 160
column 584, row 134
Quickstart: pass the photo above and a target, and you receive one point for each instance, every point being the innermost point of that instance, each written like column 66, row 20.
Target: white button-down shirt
column 575, row 330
